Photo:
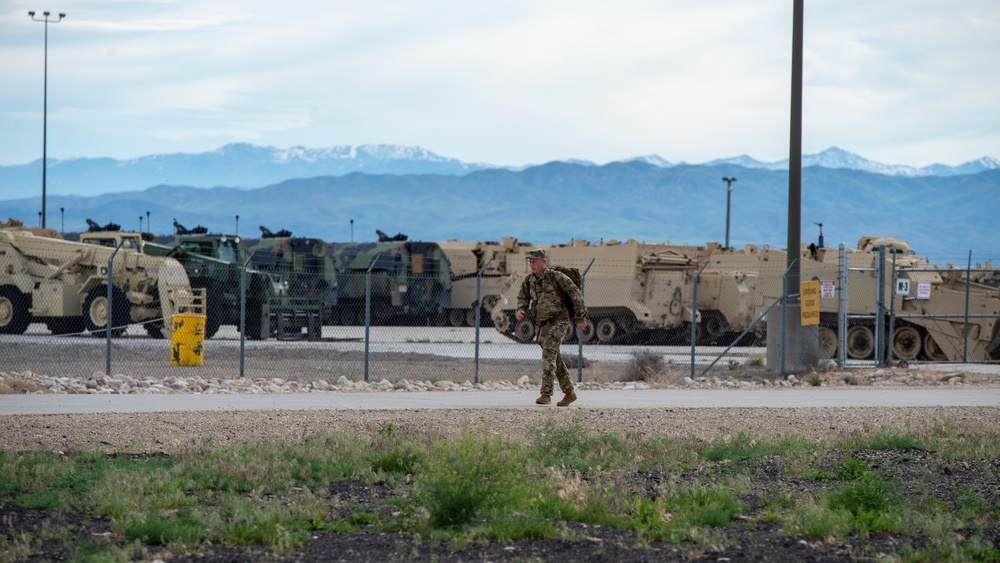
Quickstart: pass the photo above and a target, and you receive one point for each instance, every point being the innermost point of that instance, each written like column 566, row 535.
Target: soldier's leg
column 558, row 332
column 549, row 338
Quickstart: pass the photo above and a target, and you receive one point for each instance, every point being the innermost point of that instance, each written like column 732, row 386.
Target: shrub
column 469, row 476
column 647, row 366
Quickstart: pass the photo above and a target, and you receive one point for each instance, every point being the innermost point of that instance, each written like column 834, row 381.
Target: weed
column 815, row 380
column 647, row 366
column 463, row 479
column 741, row 446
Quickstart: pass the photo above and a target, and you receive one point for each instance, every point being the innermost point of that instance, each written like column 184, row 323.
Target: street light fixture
column 729, row 195
column 45, row 94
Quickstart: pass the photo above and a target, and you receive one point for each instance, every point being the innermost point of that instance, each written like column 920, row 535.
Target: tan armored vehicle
column 635, row 292
column 64, row 285
column 930, row 316
column 640, row 293
column 465, row 259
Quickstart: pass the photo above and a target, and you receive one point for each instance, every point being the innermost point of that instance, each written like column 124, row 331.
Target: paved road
column 798, row 397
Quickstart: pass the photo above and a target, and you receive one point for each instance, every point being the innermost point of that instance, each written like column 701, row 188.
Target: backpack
column 573, row 274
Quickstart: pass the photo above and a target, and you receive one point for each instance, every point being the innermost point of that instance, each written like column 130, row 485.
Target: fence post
column 479, row 308
column 694, row 314
column 368, row 310
column 892, row 310
column 579, row 333
column 243, row 311
column 965, row 331
column 111, row 308
column 880, row 311
column 842, row 309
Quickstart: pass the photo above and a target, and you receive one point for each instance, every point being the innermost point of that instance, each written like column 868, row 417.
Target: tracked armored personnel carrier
column 410, row 281
column 929, row 321
column 64, row 285
column 639, row 293
column 635, row 292
column 465, row 260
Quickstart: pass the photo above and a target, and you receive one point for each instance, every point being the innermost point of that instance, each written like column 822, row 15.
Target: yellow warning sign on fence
column 809, row 297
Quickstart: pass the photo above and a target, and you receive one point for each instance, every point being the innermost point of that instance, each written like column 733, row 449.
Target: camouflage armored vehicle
column 302, row 268
column 465, row 259
column 410, row 281
column 213, row 262
column 64, row 285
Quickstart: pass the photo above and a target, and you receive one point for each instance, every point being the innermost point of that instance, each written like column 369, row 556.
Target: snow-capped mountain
column 838, row 158
column 242, row 165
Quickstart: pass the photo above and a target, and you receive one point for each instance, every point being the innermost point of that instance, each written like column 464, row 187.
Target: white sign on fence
column 827, row 289
column 923, row 290
column 902, row 287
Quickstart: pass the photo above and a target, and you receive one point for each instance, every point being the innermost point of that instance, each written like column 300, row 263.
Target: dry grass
column 650, row 367
column 19, row 387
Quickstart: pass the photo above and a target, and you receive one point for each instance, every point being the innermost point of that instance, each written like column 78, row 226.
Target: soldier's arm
column 524, row 296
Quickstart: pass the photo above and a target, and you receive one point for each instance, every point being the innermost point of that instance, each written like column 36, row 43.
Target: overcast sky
column 910, row 82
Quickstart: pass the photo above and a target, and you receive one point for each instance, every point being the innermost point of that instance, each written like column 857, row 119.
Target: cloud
column 509, row 82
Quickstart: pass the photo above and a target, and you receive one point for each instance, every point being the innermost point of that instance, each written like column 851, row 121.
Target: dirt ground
column 749, row 540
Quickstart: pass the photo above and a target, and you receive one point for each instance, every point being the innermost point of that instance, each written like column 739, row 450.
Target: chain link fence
column 364, row 328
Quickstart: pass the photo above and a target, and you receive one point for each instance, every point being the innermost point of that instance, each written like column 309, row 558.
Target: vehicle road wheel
column 589, row 331
column 470, row 317
column 96, row 311
column 15, row 315
column 827, row 343
column 906, row 343
column 860, row 342
column 606, row 330
column 456, row 317
column 686, row 333
column 524, row 330
column 503, row 322
column 715, row 324
column 932, row 350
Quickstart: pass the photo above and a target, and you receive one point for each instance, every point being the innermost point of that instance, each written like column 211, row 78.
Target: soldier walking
column 542, row 293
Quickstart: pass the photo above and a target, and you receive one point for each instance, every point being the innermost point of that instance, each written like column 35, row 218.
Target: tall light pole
column 62, row 220
column 237, row 225
column 149, row 226
column 45, row 94
column 729, row 197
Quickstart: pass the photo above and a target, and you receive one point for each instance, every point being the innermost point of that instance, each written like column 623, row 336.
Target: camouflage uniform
column 543, row 299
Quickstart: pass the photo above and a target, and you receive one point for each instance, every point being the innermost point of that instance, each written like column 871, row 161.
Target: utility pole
column 45, row 98
column 729, row 196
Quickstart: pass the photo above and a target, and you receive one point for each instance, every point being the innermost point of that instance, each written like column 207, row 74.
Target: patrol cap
column 537, row 253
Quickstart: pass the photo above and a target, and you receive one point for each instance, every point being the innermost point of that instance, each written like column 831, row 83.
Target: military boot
column 544, row 400
column 567, row 399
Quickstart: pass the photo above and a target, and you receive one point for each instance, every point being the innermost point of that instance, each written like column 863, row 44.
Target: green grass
column 481, row 486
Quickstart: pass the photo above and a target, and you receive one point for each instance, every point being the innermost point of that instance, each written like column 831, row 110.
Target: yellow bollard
column 187, row 343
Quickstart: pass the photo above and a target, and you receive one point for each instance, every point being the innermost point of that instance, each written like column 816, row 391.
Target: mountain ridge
column 248, row 166
column 558, row 202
